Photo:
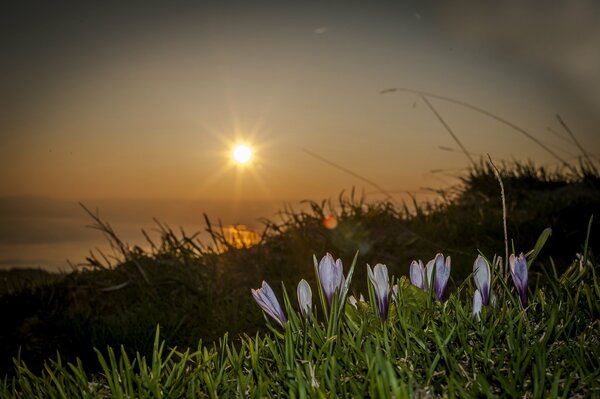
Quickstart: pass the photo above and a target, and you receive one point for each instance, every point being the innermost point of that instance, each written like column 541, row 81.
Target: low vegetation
column 426, row 347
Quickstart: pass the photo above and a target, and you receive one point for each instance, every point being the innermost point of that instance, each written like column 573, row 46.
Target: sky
column 134, row 107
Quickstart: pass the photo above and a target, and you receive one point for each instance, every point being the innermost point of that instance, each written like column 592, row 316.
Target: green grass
column 426, row 348
column 195, row 292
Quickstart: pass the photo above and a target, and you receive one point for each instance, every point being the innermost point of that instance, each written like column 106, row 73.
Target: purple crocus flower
column 518, row 271
column 482, row 277
column 304, row 297
column 266, row 299
column 442, row 274
column 422, row 276
column 331, row 274
column 417, row 274
column 381, row 284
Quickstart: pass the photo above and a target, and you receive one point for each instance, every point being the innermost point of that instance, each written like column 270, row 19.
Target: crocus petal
column 270, row 299
column 380, row 280
column 512, row 260
column 352, row 301
column 521, row 269
column 477, row 304
column 304, row 297
column 429, row 272
column 266, row 306
column 442, row 274
column 417, row 274
column 482, row 275
column 394, row 293
column 519, row 273
column 339, row 270
column 327, row 275
column 266, row 299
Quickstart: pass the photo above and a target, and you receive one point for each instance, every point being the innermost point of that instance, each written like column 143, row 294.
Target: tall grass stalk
column 504, row 270
column 486, row 113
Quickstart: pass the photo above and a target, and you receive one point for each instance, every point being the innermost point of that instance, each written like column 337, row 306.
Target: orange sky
column 122, row 101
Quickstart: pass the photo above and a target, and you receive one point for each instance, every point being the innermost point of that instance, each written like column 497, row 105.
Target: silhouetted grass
column 202, row 290
column 424, row 348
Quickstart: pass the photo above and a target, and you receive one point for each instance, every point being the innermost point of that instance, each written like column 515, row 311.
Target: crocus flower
column 395, row 291
column 354, row 302
column 477, row 303
column 482, row 277
column 304, row 297
column 331, row 274
column 417, row 274
column 381, row 284
column 422, row 276
column 266, row 299
column 518, row 271
column 442, row 274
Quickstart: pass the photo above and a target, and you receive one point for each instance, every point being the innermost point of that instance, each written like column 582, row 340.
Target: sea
column 58, row 234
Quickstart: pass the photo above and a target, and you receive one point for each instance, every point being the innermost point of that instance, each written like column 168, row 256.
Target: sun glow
column 242, row 164
column 242, row 154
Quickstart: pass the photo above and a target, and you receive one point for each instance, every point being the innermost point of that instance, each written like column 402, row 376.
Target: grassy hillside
column 425, row 348
column 197, row 292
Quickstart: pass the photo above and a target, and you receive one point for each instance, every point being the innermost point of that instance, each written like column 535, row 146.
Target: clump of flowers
column 432, row 277
column 423, row 276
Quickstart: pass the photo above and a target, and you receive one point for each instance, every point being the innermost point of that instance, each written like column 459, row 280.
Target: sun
column 242, row 154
